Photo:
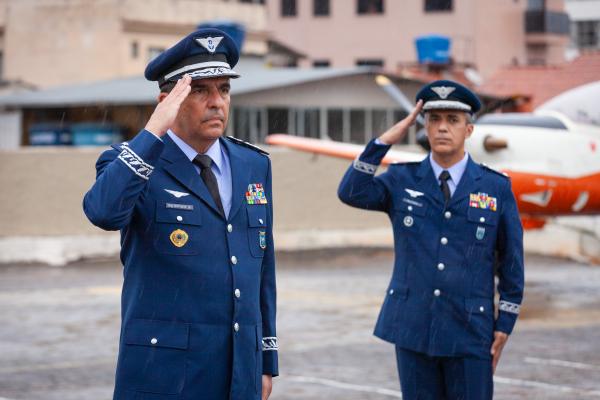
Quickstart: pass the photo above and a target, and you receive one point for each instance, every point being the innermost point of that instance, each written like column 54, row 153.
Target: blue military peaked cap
column 206, row 53
column 448, row 95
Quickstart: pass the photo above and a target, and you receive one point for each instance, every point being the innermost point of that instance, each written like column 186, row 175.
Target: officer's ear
column 161, row 96
column 470, row 128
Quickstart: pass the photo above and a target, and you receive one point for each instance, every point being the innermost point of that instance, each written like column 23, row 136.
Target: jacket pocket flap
column 482, row 216
column 479, row 305
column 145, row 332
column 257, row 216
column 186, row 214
column 412, row 209
column 398, row 291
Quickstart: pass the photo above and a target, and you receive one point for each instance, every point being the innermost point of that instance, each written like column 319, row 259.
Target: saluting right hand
column 166, row 111
column 397, row 132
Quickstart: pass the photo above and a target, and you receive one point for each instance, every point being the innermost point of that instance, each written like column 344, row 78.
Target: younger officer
column 195, row 214
column 452, row 218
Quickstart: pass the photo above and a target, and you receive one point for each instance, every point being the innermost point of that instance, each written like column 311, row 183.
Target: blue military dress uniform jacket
column 198, row 300
column 440, row 300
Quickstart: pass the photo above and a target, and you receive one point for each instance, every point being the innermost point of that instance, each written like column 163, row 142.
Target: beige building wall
column 42, row 218
column 58, row 42
column 54, row 42
column 487, row 33
column 48, row 201
column 162, row 23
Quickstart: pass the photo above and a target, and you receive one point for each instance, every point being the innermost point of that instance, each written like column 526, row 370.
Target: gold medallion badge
column 179, row 238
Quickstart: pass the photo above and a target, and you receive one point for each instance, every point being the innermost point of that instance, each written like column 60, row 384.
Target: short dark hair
column 167, row 87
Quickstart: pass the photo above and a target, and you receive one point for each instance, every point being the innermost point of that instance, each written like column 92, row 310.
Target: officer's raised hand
column 166, row 111
column 397, row 132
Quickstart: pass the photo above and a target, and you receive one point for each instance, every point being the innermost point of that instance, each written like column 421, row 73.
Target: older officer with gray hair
column 452, row 219
column 195, row 214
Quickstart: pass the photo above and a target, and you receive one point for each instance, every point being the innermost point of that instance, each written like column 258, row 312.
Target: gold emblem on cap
column 179, row 238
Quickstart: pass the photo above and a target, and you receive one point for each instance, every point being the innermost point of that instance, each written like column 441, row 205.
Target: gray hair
column 470, row 116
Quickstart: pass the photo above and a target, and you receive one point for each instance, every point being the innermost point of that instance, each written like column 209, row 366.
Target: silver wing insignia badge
column 413, row 193
column 176, row 193
column 210, row 43
column 443, row 91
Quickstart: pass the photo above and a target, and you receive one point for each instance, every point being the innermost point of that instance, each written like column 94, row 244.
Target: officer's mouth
column 212, row 120
column 442, row 141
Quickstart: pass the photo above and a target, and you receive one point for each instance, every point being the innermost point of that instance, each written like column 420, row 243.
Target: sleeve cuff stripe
column 135, row 163
column 125, row 146
column 509, row 307
column 270, row 343
column 365, row 167
column 140, row 168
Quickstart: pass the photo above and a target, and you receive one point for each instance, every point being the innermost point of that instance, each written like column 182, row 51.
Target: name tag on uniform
column 412, row 202
column 483, row 201
column 187, row 207
column 256, row 194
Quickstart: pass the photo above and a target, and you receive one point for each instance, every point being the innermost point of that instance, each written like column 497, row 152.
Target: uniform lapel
column 240, row 175
column 182, row 169
column 428, row 181
column 468, row 183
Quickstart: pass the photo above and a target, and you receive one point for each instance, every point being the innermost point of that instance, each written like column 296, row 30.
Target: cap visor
column 446, row 105
column 213, row 72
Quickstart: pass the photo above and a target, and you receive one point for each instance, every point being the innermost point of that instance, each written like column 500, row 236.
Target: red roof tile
column 541, row 83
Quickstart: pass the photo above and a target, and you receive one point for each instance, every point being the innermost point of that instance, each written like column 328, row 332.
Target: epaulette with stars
column 502, row 174
column 248, row 145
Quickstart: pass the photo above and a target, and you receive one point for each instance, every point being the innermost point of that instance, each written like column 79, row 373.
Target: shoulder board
column 246, row 144
column 502, row 174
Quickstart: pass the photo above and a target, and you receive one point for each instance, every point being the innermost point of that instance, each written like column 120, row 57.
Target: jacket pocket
column 480, row 317
column 153, row 356
column 482, row 225
column 396, row 295
column 257, row 230
column 178, row 231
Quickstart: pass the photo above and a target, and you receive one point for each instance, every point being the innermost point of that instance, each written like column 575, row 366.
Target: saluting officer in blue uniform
column 195, row 214
column 453, row 219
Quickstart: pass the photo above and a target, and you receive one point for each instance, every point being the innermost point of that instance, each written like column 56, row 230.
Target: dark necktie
column 204, row 162
column 444, row 176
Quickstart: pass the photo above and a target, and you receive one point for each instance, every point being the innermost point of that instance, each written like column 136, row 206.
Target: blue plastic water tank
column 49, row 134
column 233, row 29
column 433, row 49
column 95, row 134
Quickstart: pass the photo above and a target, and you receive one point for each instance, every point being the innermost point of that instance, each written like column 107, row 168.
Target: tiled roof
column 541, row 83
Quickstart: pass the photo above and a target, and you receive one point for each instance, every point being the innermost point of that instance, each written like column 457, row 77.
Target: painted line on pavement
column 62, row 365
column 397, row 394
column 546, row 386
column 562, row 363
column 343, row 385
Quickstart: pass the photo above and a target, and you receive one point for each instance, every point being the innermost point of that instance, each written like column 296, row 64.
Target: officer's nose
column 215, row 100
column 443, row 126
